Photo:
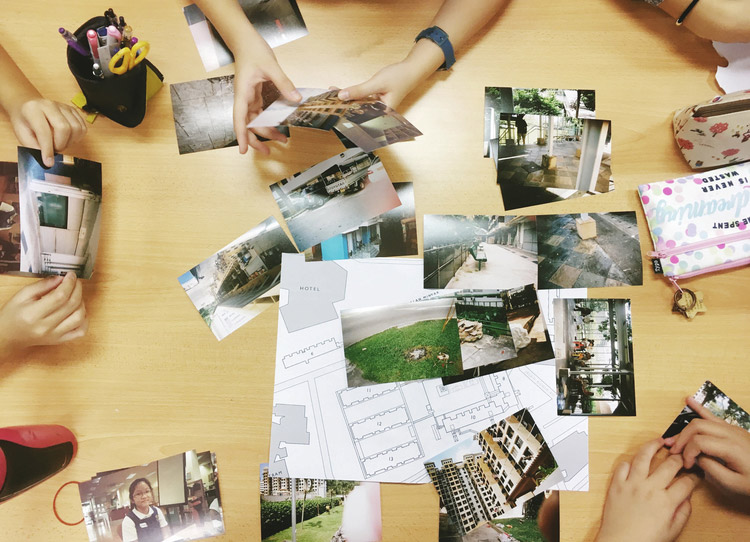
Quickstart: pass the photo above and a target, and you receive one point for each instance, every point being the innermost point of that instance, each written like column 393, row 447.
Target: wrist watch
column 440, row 38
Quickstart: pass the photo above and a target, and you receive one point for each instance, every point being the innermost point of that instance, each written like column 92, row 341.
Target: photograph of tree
column 718, row 403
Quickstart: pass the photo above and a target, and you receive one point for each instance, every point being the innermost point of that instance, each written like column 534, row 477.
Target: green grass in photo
column 384, row 357
column 523, row 529
column 318, row 529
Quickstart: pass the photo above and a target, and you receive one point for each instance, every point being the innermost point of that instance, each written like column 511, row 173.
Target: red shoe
column 29, row 454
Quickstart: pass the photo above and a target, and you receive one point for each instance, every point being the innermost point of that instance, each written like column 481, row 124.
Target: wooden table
column 150, row 380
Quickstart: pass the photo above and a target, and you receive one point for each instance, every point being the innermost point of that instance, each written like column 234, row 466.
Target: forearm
column 232, row 23
column 720, row 20
column 16, row 88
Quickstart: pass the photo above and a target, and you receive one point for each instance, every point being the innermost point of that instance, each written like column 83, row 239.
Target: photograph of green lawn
column 397, row 343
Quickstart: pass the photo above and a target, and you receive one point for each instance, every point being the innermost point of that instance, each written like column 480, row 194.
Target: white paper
column 736, row 76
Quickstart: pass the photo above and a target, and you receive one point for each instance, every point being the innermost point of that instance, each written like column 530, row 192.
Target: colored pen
column 93, row 43
column 122, row 22
column 127, row 32
column 73, row 44
column 67, row 34
column 111, row 17
column 133, row 41
column 97, row 71
column 113, row 39
column 102, row 33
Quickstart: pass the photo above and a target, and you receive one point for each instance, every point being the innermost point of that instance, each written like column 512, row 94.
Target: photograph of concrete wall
column 589, row 250
column 60, row 214
column 277, row 21
column 594, row 357
column 241, row 280
column 479, row 251
column 10, row 218
column 398, row 343
column 393, row 233
column 484, row 480
column 336, row 510
column 334, row 196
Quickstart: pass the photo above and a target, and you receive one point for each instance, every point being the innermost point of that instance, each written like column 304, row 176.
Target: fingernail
column 344, row 95
column 49, row 161
column 296, row 95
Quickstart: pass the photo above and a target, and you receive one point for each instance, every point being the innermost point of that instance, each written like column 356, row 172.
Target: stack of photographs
column 241, row 280
column 174, row 499
column 277, row 21
column 335, row 510
column 718, row 403
column 547, row 144
column 49, row 216
column 492, row 485
column 594, row 357
column 550, row 251
column 366, row 123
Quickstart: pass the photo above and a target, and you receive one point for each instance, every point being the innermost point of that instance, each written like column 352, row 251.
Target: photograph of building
column 393, row 233
column 336, row 510
column 10, row 218
column 334, row 196
column 60, row 214
column 237, row 283
column 479, row 251
column 488, row 478
column 594, row 357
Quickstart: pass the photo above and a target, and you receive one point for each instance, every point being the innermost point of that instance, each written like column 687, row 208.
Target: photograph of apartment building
column 60, row 213
column 487, row 479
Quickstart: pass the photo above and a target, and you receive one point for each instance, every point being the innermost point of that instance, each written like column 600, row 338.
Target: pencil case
column 699, row 223
column 122, row 98
column 716, row 132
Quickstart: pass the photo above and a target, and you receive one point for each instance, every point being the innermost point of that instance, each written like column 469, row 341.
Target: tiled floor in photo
column 612, row 258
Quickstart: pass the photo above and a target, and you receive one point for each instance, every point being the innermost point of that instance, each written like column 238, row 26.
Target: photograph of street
column 589, row 250
column 60, row 208
column 175, row 498
column 10, row 219
column 491, row 486
column 241, row 280
column 480, row 252
column 393, row 233
column 594, row 357
column 325, row 510
column 334, row 196
column 401, row 342
column 277, row 21
column 717, row 402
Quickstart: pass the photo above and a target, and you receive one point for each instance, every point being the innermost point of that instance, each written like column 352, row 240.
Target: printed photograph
column 479, row 252
column 503, row 104
column 324, row 510
column 60, row 208
column 527, row 324
column 491, row 486
column 594, row 357
column 202, row 112
column 334, row 196
column 393, row 233
column 397, row 343
column 589, row 250
column 570, row 159
column 10, row 219
column 277, row 21
column 173, row 499
column 241, row 280
column 717, row 402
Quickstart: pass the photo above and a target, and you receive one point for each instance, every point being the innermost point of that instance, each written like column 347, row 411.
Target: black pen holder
column 122, row 98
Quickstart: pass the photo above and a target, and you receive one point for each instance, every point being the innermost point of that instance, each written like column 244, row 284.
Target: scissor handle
column 123, row 54
column 139, row 52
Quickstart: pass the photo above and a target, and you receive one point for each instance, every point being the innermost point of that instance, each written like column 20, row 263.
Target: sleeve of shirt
column 128, row 530
column 162, row 519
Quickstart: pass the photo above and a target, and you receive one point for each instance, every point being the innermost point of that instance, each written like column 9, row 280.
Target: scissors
column 128, row 57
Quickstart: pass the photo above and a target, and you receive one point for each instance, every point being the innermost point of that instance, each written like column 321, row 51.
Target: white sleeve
column 162, row 519
column 128, row 530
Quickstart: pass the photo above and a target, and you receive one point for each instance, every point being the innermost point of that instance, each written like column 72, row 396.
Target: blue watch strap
column 440, row 38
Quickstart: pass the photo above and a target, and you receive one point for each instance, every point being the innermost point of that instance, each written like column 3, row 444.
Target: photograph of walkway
column 611, row 257
column 594, row 357
column 398, row 343
column 479, row 251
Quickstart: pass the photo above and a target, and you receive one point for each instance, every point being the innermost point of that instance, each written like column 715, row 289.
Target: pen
column 73, row 44
column 113, row 39
column 111, row 17
column 97, row 71
column 122, row 22
column 102, row 33
column 127, row 33
column 93, row 43
column 67, row 34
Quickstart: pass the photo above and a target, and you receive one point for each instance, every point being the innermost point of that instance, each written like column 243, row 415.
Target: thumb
column 284, row 84
column 357, row 92
column 681, row 516
column 39, row 288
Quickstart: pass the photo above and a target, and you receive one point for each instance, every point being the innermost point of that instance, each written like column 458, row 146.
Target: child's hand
column 47, row 125
column 256, row 64
column 390, row 85
column 50, row 311
column 647, row 507
column 720, row 449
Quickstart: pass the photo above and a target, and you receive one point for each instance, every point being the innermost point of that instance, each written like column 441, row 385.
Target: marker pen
column 104, row 57
column 93, row 43
column 101, row 32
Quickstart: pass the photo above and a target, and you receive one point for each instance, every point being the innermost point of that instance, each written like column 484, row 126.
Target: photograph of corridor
column 594, row 357
column 479, row 251
column 589, row 250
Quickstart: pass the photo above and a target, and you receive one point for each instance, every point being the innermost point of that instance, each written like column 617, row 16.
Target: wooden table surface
column 150, row 380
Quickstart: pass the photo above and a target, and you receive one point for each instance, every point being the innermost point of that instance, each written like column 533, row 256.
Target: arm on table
column 720, row 20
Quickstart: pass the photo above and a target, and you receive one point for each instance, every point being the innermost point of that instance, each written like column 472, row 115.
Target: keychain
column 688, row 303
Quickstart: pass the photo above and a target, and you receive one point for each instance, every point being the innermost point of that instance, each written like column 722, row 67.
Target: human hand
column 256, row 64
column 720, row 449
column 647, row 507
column 390, row 85
column 50, row 311
column 46, row 125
